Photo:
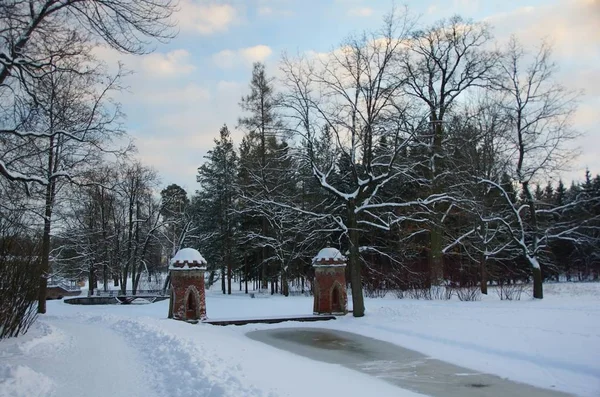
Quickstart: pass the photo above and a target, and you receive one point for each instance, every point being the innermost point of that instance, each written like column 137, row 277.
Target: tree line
column 429, row 155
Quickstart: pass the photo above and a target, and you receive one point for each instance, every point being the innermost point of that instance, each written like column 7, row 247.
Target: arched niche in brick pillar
column 329, row 286
column 188, row 301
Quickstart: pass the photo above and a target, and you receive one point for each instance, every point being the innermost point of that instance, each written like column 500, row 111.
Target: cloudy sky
column 181, row 94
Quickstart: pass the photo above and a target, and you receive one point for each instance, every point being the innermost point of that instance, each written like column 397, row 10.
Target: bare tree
column 477, row 139
column 43, row 47
column 115, row 223
column 70, row 124
column 140, row 219
column 37, row 36
column 539, row 110
column 356, row 93
column 442, row 63
column 19, row 250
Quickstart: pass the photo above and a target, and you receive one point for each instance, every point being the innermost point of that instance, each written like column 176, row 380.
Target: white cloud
column 572, row 26
column 189, row 94
column 205, row 18
column 227, row 59
column 274, row 9
column 257, row 53
column 171, row 64
column 265, row 11
column 167, row 65
column 360, row 12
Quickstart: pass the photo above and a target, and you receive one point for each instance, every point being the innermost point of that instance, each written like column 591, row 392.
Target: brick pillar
column 330, row 296
column 188, row 301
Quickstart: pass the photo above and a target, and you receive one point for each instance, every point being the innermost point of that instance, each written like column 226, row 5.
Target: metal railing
column 63, row 284
column 129, row 292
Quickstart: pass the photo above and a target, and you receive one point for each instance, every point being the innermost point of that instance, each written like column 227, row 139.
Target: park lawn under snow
column 134, row 350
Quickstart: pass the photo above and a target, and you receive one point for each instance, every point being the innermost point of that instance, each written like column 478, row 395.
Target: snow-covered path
column 134, row 350
column 120, row 351
column 79, row 359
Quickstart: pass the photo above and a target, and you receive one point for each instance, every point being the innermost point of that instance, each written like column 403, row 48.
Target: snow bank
column 21, row 381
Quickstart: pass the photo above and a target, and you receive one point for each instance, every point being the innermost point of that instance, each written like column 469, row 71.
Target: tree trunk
column 435, row 256
column 223, row 275
column 536, row 268
column 263, row 266
column 483, row 269
column 358, row 303
column 246, row 272
column 538, row 292
column 436, row 264
column 45, row 254
column 285, row 288
column 167, row 282
column 136, row 282
column 105, row 277
column 91, row 283
column 229, row 278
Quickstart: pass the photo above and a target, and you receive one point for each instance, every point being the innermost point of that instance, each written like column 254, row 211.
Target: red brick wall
column 181, row 281
column 326, row 278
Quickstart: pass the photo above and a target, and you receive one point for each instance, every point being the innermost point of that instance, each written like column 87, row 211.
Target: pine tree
column 560, row 196
column 262, row 155
column 175, row 203
column 218, row 180
column 538, row 193
column 548, row 195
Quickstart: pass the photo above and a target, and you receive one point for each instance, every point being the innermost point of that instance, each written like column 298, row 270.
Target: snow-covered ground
column 134, row 350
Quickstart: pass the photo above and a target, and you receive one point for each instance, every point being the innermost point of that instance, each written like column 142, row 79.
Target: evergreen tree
column 560, row 196
column 538, row 193
column 548, row 195
column 175, row 205
column 218, row 179
column 261, row 154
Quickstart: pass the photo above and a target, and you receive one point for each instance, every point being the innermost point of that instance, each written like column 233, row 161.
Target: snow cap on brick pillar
column 188, row 301
column 329, row 287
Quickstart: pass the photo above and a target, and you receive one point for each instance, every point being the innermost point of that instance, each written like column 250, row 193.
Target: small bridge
column 115, row 297
column 269, row 320
column 58, row 288
column 128, row 296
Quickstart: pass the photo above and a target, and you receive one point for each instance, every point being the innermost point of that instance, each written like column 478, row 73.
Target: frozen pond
column 402, row 367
